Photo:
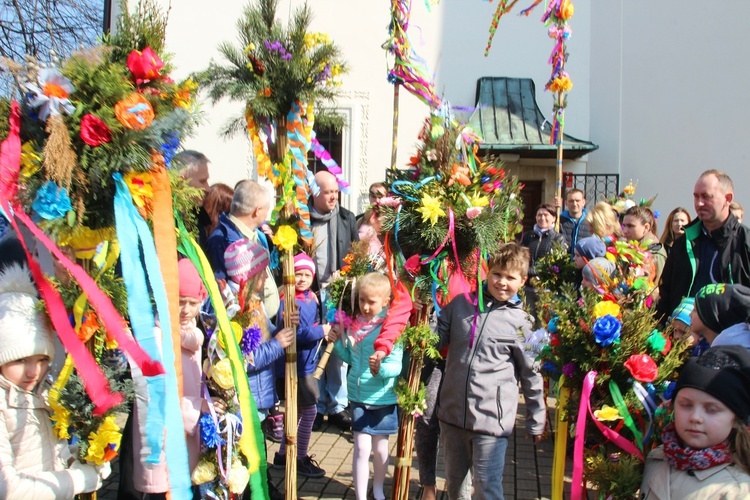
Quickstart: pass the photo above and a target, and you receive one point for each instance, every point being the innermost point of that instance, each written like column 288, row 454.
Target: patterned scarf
column 683, row 457
column 361, row 327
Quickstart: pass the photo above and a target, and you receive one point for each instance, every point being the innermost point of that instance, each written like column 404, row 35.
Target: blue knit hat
column 682, row 311
column 591, row 247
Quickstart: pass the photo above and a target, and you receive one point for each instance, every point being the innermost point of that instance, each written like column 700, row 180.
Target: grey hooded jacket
column 480, row 386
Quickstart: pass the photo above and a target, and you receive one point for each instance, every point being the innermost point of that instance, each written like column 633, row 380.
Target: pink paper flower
column 473, row 212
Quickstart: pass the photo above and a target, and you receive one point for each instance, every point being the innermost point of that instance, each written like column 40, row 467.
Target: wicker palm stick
column 559, row 172
column 321, row 368
column 405, row 443
column 290, row 382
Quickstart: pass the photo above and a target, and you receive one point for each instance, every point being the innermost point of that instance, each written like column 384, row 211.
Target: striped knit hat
column 303, row 261
column 244, row 259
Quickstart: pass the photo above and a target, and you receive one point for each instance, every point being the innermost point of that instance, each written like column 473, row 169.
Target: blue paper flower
column 552, row 325
column 550, row 368
column 51, row 202
column 250, row 339
column 169, row 147
column 209, row 433
column 607, row 330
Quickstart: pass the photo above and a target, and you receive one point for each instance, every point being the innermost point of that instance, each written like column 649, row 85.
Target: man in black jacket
column 714, row 249
column 334, row 229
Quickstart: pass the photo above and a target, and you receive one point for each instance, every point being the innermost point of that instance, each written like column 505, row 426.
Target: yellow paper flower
column 606, row 307
column 61, row 418
column 607, row 414
column 238, row 477
column 567, row 11
column 31, row 160
column 85, row 240
column 204, row 472
column 139, row 184
column 629, row 189
column 285, row 238
column 479, row 200
column 222, row 374
column 431, row 209
column 237, row 330
column 107, row 434
column 561, row 84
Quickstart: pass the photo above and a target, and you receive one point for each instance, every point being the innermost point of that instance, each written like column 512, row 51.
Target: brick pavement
column 527, row 469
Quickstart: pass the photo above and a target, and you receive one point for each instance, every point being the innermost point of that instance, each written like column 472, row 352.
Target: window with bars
column 333, row 141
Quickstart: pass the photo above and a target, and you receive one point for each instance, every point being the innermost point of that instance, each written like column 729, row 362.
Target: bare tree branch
column 47, row 29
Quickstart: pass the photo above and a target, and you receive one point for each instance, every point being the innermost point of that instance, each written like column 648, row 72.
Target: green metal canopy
column 509, row 121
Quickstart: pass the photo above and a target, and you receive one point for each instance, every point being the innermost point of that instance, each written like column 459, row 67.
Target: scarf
column 361, row 327
column 327, row 264
column 685, row 458
column 541, row 231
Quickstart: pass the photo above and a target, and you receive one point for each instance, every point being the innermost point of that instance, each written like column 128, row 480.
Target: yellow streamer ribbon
column 561, row 443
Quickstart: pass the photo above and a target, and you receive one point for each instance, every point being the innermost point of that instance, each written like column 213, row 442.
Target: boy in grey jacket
column 479, row 395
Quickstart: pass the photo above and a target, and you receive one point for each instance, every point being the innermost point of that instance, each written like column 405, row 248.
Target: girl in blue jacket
column 370, row 384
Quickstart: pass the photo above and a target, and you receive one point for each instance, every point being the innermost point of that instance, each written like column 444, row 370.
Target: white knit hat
column 24, row 329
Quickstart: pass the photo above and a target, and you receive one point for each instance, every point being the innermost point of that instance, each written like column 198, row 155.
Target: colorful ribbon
column 164, row 410
column 298, row 147
column 409, row 69
column 252, row 442
column 325, row 158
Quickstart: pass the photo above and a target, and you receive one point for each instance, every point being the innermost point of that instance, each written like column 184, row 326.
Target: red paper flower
column 144, row 65
column 642, row 367
column 94, row 131
column 413, row 265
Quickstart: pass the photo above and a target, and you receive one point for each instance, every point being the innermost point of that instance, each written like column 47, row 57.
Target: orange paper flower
column 134, row 112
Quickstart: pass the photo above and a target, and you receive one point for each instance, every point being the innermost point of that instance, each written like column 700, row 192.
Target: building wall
column 657, row 85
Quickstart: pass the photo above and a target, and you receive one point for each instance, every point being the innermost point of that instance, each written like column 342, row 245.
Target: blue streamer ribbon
column 132, row 229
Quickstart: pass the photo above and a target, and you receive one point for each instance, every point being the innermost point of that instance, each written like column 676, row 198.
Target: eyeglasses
column 377, row 194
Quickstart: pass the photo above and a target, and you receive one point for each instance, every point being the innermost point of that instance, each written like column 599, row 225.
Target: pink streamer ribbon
column 584, row 410
column 451, row 226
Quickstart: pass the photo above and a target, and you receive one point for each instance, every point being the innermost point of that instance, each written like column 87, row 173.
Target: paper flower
column 389, row 201
column 567, row 10
column 145, row 65
column 221, row 373
column 341, row 318
column 607, row 414
column 204, row 472
column 134, row 112
column 431, row 209
column 285, row 238
column 569, row 370
column 61, row 418
column 238, row 477
column 479, row 200
column 139, row 185
column 659, row 342
column 31, row 160
column 473, row 212
column 606, row 307
column 210, row 436
column 607, row 330
column 88, row 327
column 459, row 174
column 94, row 131
column 250, row 339
column 413, row 265
column 51, row 95
column 560, row 84
column 51, row 202
column 642, row 367
column 104, row 443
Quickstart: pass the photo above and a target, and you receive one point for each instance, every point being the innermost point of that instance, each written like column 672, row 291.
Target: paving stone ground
column 527, row 472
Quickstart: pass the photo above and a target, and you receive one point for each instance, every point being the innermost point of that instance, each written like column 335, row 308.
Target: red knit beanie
column 191, row 284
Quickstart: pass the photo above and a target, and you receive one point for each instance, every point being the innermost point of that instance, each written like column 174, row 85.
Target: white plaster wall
column 669, row 94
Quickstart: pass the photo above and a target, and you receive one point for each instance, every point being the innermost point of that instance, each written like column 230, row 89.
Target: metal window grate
column 597, row 187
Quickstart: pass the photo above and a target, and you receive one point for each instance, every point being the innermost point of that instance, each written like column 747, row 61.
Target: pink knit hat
column 244, row 259
column 191, row 284
column 303, row 261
